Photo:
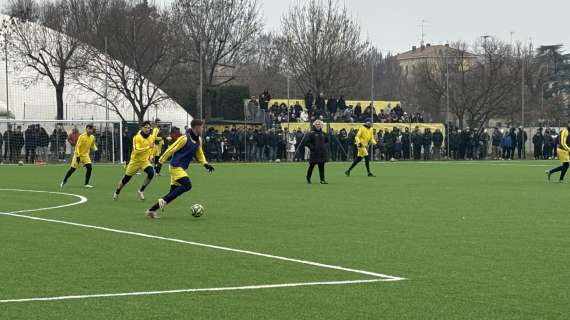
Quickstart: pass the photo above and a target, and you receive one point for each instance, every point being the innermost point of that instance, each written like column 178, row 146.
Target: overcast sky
column 395, row 25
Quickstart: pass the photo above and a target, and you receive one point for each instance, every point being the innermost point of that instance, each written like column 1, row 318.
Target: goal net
column 53, row 141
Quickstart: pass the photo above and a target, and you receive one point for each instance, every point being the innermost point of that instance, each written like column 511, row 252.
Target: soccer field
column 461, row 240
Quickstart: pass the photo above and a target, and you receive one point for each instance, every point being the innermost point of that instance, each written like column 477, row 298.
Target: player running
column 563, row 152
column 85, row 145
column 181, row 152
column 141, row 156
column 363, row 139
column 158, row 145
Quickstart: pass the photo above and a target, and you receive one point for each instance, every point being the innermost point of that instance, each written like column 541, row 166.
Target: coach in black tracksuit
column 317, row 142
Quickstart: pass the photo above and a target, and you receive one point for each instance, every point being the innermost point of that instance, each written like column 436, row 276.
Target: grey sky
column 394, row 25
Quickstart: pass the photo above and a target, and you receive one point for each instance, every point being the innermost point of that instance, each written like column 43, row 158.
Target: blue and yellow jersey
column 143, row 148
column 183, row 151
column 85, row 144
column 563, row 140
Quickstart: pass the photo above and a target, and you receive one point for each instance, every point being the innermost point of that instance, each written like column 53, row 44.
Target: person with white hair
column 316, row 141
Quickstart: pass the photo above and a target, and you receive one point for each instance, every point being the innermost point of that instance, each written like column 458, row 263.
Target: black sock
column 88, row 168
column 149, row 175
column 68, row 174
column 564, row 170
column 557, row 169
column 367, row 163
column 354, row 163
column 124, row 182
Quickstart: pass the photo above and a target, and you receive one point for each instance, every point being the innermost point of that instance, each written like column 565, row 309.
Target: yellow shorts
column 83, row 160
column 363, row 152
column 175, row 174
column 563, row 155
column 134, row 167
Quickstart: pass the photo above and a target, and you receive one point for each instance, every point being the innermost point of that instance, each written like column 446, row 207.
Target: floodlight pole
column 6, row 66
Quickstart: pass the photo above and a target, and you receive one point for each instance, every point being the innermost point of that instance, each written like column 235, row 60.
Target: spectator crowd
column 333, row 109
column 279, row 144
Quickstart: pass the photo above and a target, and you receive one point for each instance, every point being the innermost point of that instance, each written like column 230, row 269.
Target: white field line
column 379, row 277
column 147, row 293
column 82, row 200
column 198, row 244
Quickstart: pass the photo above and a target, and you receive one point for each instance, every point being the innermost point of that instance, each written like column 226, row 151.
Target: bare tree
column 218, row 35
column 49, row 46
column 324, row 50
column 133, row 53
column 480, row 89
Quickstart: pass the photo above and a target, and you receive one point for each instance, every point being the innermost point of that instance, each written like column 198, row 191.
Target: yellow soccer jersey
column 143, row 148
column 158, row 144
column 365, row 137
column 85, row 144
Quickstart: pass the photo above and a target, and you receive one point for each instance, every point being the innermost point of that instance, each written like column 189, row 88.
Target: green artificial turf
column 473, row 240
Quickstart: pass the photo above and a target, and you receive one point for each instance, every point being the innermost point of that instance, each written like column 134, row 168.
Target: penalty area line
column 198, row 244
column 197, row 290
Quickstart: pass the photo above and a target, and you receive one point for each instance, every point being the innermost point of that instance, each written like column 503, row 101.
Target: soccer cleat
column 308, row 180
column 141, row 195
column 152, row 214
column 61, row 185
column 162, row 203
column 324, row 182
column 370, row 174
column 115, row 196
column 347, row 173
column 548, row 174
column 88, row 186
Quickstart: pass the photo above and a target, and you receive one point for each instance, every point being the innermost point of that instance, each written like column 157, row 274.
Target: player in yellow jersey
column 85, row 145
column 141, row 157
column 364, row 139
column 180, row 153
column 158, row 144
column 563, row 153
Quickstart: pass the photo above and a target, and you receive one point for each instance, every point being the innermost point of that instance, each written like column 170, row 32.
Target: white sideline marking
column 82, row 200
column 147, row 293
column 379, row 277
column 198, row 244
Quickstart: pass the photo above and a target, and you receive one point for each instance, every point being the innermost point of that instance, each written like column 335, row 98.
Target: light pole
column 5, row 32
column 201, row 101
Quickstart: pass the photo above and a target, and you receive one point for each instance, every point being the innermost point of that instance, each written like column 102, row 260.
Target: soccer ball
column 197, row 210
column 20, row 163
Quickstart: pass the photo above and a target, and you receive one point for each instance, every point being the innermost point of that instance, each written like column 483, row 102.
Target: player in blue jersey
column 181, row 152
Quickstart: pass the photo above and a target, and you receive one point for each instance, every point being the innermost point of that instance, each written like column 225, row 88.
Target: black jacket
column 317, row 142
column 437, row 139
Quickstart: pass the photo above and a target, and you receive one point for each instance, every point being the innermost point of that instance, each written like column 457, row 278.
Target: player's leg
column 564, row 159
column 72, row 169
column 322, row 172
column 130, row 171
column 88, row 171
column 126, row 178
column 310, row 172
column 354, row 163
column 182, row 185
column 367, row 163
column 149, row 175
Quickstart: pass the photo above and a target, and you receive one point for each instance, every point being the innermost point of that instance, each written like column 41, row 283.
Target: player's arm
column 358, row 138
column 373, row 139
column 93, row 145
column 179, row 144
column 201, row 158
column 563, row 137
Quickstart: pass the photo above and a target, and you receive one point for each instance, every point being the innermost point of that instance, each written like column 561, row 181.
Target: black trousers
column 321, row 170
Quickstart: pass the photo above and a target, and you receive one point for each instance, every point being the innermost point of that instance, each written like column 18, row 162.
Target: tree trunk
column 59, row 100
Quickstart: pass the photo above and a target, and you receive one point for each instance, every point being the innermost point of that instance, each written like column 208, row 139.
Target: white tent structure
column 38, row 101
